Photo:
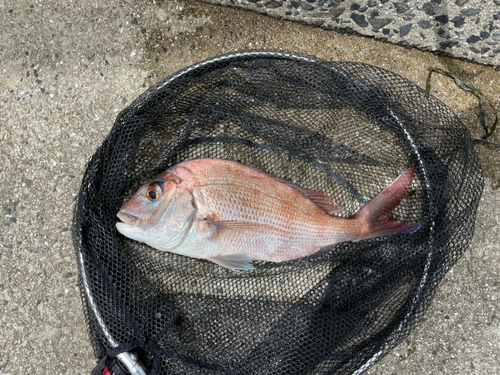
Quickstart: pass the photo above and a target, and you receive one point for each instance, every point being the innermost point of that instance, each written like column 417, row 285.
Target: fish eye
column 154, row 191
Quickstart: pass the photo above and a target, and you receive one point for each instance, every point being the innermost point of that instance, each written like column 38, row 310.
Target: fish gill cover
column 346, row 129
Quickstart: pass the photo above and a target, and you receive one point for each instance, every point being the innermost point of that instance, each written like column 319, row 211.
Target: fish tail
column 375, row 217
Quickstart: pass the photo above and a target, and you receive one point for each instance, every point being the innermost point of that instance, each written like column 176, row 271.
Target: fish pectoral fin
column 319, row 198
column 233, row 224
column 235, row 262
column 233, row 227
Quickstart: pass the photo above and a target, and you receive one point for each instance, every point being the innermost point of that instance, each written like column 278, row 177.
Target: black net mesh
column 343, row 128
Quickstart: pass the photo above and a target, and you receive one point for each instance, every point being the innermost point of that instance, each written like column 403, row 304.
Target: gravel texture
column 467, row 29
column 68, row 67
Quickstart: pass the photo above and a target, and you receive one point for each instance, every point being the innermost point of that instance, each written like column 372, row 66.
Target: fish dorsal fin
column 238, row 261
column 317, row 197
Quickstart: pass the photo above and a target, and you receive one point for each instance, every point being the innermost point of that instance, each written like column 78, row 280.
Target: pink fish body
column 231, row 214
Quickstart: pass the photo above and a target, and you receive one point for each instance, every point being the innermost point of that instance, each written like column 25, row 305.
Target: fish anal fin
column 319, row 198
column 235, row 262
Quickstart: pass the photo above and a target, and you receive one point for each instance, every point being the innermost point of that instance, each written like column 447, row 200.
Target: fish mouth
column 127, row 219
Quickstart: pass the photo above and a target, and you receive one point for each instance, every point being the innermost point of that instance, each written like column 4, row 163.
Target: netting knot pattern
column 343, row 128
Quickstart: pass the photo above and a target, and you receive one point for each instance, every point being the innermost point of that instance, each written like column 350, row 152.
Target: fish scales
column 289, row 230
column 231, row 214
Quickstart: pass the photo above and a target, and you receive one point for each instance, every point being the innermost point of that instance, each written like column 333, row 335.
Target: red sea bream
column 231, row 214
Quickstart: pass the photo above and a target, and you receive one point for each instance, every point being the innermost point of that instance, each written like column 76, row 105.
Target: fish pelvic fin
column 235, row 262
column 376, row 216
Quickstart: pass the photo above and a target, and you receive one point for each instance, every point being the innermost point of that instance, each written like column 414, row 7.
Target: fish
column 232, row 214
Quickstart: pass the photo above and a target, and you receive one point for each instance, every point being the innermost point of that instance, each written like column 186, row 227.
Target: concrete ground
column 68, row 67
column 466, row 29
